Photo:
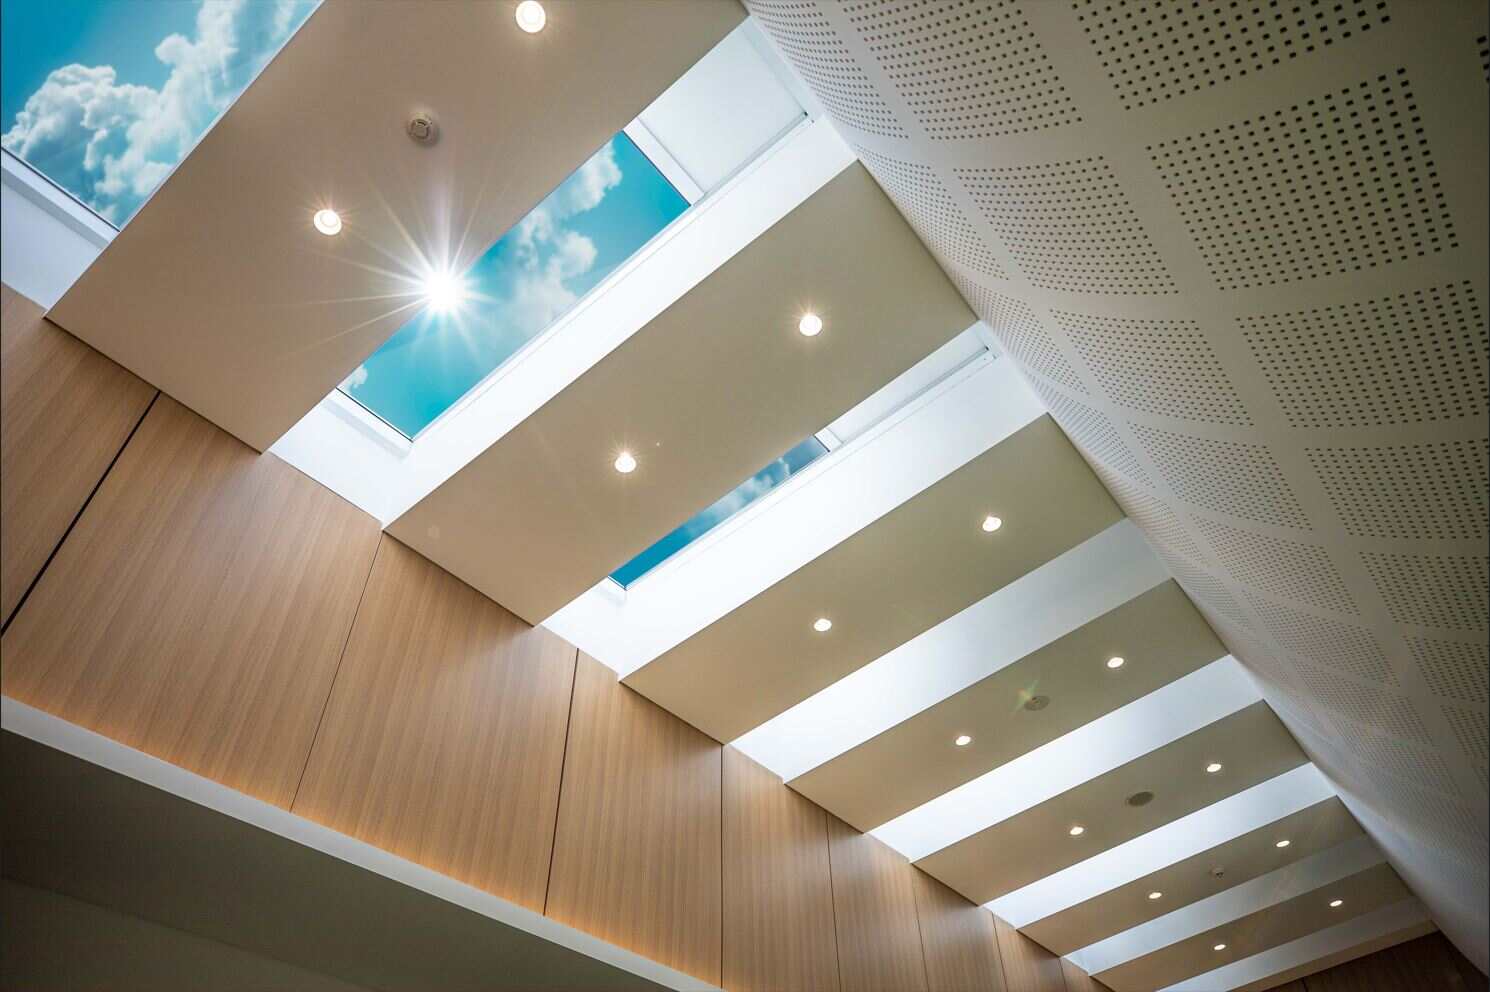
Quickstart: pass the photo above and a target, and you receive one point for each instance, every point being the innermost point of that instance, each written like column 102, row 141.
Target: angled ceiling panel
column 717, row 386
column 919, row 564
column 1160, row 636
column 1035, row 843
column 1241, row 253
column 221, row 293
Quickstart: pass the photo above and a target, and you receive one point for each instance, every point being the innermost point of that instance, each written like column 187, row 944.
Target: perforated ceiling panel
column 1240, row 251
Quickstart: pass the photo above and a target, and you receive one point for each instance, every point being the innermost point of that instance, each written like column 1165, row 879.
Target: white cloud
column 357, row 378
column 112, row 143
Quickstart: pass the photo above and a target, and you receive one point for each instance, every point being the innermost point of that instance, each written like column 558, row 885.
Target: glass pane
column 722, row 509
column 104, row 97
column 607, row 209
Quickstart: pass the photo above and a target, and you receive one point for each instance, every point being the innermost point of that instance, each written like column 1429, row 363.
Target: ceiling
column 1232, row 423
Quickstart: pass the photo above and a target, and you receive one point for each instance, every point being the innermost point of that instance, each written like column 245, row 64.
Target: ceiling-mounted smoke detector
column 422, row 129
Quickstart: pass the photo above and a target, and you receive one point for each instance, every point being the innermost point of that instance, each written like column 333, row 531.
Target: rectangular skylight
column 593, row 222
column 104, row 97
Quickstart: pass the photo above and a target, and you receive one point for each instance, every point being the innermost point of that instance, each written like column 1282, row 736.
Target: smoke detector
column 1036, row 703
column 422, row 129
column 1141, row 798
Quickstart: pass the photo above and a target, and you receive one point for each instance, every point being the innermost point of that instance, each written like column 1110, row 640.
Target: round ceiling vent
column 1218, row 871
column 1036, row 703
column 1140, row 798
column 422, row 129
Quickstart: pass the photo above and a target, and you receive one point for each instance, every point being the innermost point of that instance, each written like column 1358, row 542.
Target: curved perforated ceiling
column 1240, row 252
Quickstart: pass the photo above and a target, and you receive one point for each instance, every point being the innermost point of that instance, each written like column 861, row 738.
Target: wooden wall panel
column 1078, row 980
column 778, row 887
column 958, row 939
column 198, row 608
column 1429, row 962
column 65, row 411
column 443, row 741
column 1028, row 967
column 637, row 852
column 874, row 903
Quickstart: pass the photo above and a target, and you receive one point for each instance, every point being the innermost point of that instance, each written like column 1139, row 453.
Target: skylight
column 593, row 222
column 104, row 97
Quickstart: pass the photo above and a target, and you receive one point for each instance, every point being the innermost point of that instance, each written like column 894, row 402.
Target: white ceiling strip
column 1165, row 715
column 1295, row 953
column 1279, row 885
column 932, row 436
column 47, row 238
column 347, row 454
column 1096, row 576
column 1280, row 796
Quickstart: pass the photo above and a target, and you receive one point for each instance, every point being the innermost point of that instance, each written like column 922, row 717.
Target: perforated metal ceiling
column 1240, row 252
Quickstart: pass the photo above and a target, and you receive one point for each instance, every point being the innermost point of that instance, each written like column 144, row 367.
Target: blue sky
column 105, row 96
column 596, row 219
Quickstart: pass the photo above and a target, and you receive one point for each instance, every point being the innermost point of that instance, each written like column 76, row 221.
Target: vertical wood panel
column 778, row 894
column 637, row 857
column 199, row 607
column 443, row 741
column 958, row 939
column 1430, row 962
column 1078, row 980
column 1028, row 967
column 65, row 411
column 874, row 902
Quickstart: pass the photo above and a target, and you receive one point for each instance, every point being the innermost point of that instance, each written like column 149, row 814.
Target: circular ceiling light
column 1213, row 768
column 625, row 463
column 991, row 524
column 1336, row 903
column 327, row 221
column 1156, row 895
column 963, row 740
column 1283, row 843
column 1077, row 830
column 822, row 625
column 1219, row 947
column 531, row 16
column 1116, row 662
column 810, row 326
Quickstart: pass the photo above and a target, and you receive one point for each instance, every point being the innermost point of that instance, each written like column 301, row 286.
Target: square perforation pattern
column 1154, row 50
column 1022, row 333
column 1338, row 184
column 1397, row 757
column 1237, row 479
column 1158, row 366
column 966, row 68
column 1423, row 491
column 1470, row 727
column 1287, row 569
column 1340, row 645
column 1453, row 669
column 1070, row 227
column 812, row 47
column 1412, row 358
column 1366, row 704
column 1432, row 590
column 1092, row 433
column 925, row 202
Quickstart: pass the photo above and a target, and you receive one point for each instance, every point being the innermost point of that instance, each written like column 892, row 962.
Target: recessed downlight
column 822, row 625
column 327, row 221
column 1116, row 662
column 531, row 16
column 1076, row 830
column 1156, row 895
column 1283, row 843
column 1336, row 903
column 963, row 740
column 1219, row 947
column 810, row 326
column 625, row 463
column 1213, row 767
column 991, row 524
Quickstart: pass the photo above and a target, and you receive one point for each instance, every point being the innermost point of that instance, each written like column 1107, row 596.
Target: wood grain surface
column 874, row 902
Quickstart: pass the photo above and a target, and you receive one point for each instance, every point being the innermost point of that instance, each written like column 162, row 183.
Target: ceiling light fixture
column 963, row 740
column 1219, row 947
column 810, row 326
column 1156, row 895
column 991, row 524
column 327, row 221
column 443, row 292
column 822, row 625
column 1336, row 903
column 625, row 463
column 1116, row 662
column 1213, row 768
column 1283, row 843
column 531, row 16
column 1077, row 830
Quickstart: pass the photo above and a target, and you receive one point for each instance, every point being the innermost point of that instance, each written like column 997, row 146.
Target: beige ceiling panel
column 1311, row 830
column 1267, row 928
column 1009, row 855
column 706, row 394
column 222, row 294
column 923, row 562
column 1161, row 635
